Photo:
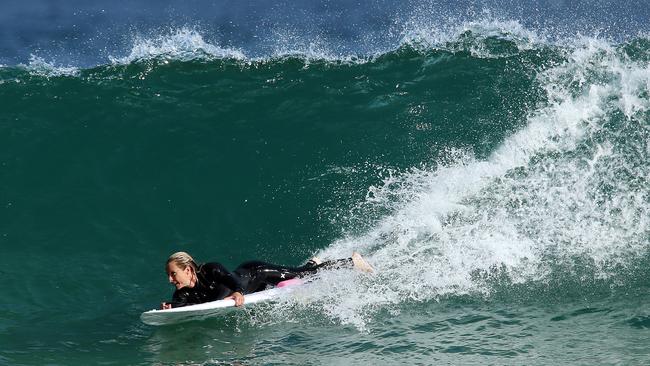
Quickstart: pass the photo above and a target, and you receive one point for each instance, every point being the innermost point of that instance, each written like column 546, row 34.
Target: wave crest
column 38, row 66
column 182, row 44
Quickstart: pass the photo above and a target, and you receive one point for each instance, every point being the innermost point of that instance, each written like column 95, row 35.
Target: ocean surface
column 490, row 159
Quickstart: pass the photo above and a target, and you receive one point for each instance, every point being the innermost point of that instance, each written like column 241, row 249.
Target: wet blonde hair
column 182, row 260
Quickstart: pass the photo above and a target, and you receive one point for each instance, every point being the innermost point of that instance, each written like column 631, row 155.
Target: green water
column 500, row 189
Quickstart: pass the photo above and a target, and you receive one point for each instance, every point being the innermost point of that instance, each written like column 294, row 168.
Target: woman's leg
column 261, row 274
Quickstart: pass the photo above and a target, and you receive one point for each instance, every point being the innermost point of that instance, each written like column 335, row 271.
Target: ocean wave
column 566, row 196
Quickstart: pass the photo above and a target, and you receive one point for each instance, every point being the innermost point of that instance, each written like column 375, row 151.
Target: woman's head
column 181, row 270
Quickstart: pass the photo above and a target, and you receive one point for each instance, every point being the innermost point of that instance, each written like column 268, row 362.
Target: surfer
column 196, row 284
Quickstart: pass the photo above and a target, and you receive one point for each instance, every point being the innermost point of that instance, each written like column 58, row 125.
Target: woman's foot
column 361, row 264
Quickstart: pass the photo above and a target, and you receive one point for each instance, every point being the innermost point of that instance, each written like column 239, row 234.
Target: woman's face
column 179, row 277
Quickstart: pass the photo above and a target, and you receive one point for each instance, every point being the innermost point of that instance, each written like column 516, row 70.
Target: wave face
column 495, row 177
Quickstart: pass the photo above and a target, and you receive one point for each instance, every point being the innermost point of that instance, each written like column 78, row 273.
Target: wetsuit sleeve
column 217, row 273
column 181, row 298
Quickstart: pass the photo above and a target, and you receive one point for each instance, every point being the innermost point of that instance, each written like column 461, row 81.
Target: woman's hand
column 238, row 297
column 165, row 306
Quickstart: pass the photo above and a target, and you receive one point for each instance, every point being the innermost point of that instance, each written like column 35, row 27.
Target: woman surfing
column 196, row 284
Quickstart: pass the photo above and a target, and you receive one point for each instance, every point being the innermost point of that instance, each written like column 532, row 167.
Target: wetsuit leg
column 256, row 275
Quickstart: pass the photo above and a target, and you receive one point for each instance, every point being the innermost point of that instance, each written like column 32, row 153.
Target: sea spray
column 569, row 189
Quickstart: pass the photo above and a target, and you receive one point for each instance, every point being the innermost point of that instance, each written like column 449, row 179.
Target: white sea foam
column 186, row 44
column 567, row 186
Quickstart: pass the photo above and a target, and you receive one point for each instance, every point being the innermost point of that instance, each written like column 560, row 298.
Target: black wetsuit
column 215, row 282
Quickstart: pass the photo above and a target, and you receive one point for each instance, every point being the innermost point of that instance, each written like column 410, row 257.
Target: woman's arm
column 180, row 298
column 221, row 275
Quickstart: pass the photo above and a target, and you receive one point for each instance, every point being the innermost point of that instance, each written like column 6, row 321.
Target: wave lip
column 38, row 66
column 423, row 36
column 491, row 38
column 183, row 45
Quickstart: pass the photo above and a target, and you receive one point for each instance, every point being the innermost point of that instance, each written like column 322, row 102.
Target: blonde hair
column 182, row 260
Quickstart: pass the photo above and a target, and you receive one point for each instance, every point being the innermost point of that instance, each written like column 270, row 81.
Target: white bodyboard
column 209, row 309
